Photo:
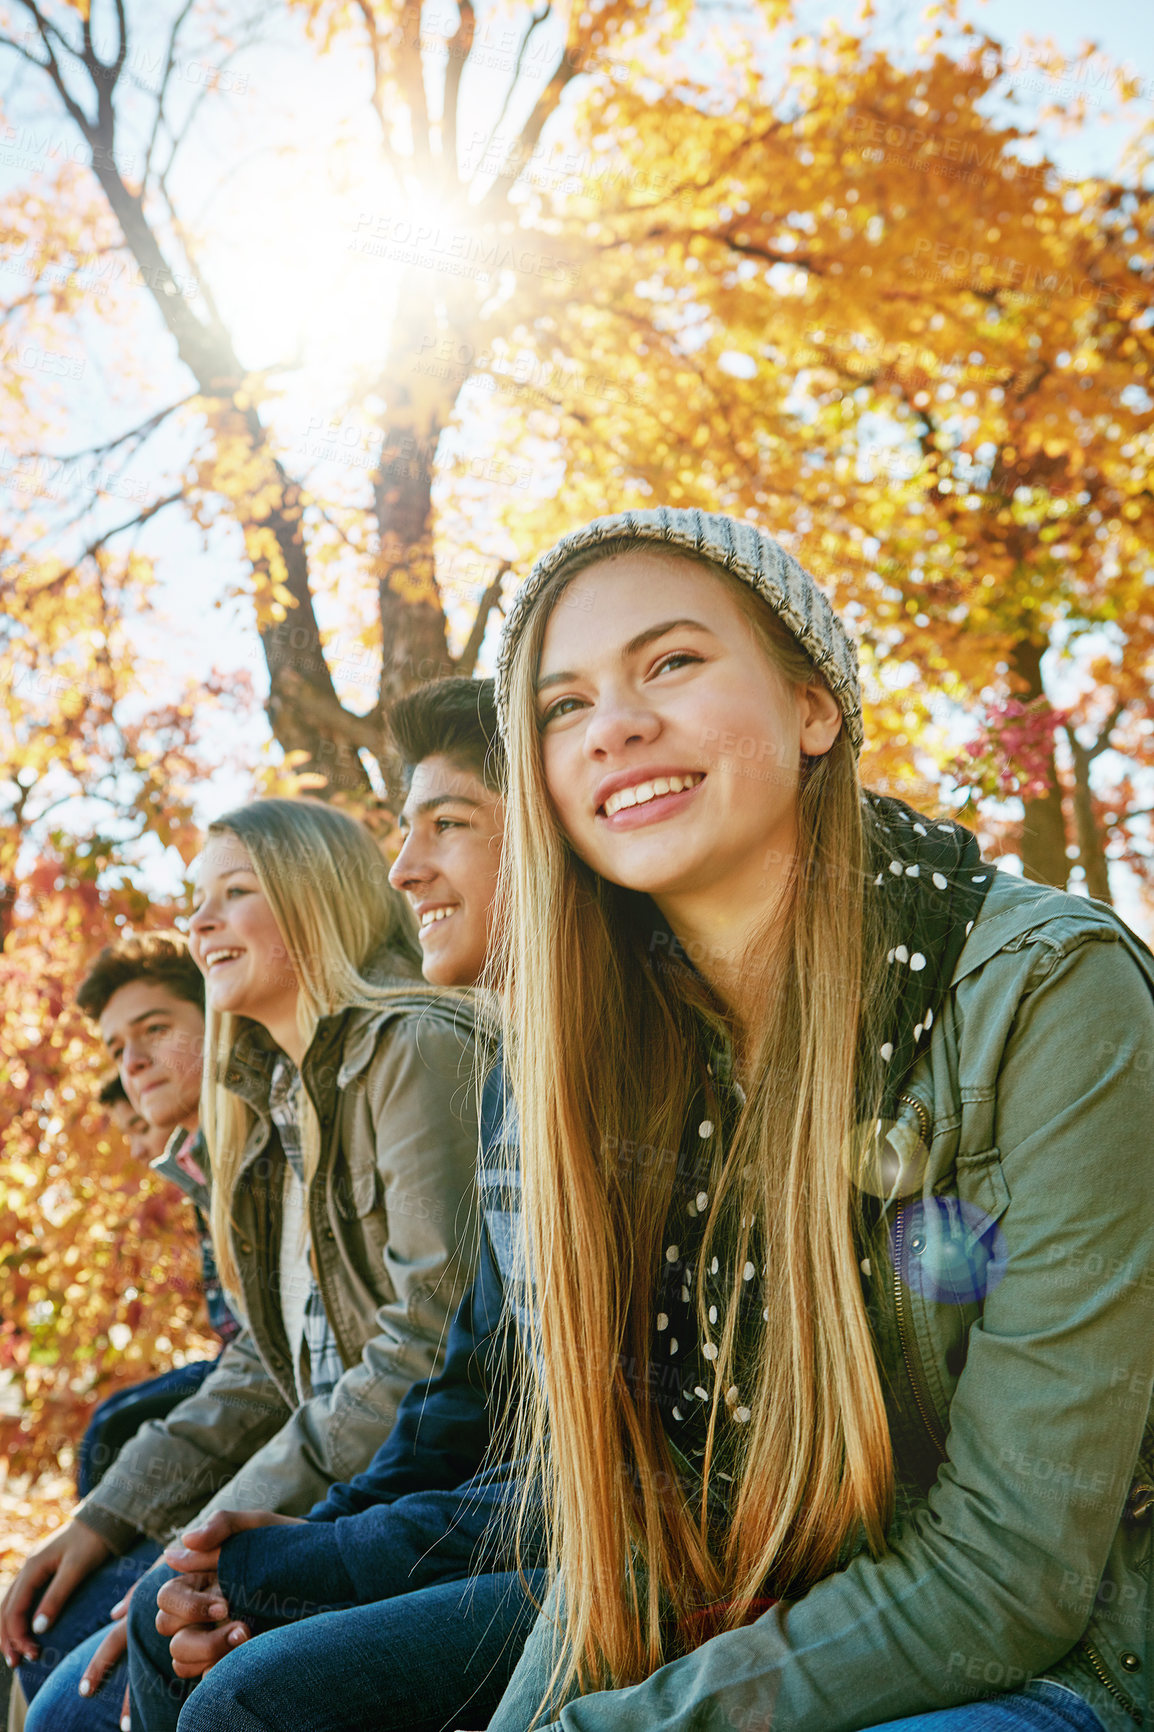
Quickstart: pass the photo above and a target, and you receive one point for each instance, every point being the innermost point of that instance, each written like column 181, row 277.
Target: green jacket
column 1020, row 1405
column 393, row 1228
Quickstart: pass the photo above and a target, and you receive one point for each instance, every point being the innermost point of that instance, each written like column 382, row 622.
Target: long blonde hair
column 606, row 1051
column 327, row 885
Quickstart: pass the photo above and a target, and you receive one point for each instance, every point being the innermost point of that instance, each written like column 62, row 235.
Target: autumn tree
column 99, row 1273
column 850, row 292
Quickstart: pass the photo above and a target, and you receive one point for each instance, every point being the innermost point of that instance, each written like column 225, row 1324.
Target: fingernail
column 39, row 1624
column 126, row 1724
column 237, row 1636
column 85, row 1687
column 218, row 1611
column 175, row 1551
column 9, row 1661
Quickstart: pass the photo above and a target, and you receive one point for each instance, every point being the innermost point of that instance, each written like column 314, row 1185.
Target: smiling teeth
column 435, row 914
column 643, row 792
column 211, row 956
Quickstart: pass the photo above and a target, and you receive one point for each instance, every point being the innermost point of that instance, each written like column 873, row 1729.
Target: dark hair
column 112, row 1091
column 457, row 717
column 160, row 958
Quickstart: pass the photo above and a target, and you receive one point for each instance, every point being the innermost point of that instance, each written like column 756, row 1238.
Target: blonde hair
column 605, row 1052
column 327, row 885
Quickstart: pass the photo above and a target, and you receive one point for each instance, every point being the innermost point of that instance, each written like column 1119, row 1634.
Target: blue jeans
column 85, row 1613
column 439, row 1658
column 121, row 1416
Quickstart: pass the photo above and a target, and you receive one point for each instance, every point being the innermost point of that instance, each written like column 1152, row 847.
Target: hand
column 200, row 1550
column 109, row 1654
column 58, row 1567
column 193, row 1613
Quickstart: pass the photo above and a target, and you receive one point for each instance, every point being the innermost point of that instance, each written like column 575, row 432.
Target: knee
column 142, row 1631
column 215, row 1703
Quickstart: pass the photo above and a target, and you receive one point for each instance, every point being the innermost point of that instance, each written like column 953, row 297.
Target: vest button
column 329, row 1234
column 1130, row 1662
column 246, row 1247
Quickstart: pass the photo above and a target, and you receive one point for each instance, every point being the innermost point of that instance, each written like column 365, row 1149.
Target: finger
column 65, row 1580
column 194, row 1652
column 110, row 1652
column 180, row 1604
column 189, row 1562
column 169, row 1624
column 18, row 1605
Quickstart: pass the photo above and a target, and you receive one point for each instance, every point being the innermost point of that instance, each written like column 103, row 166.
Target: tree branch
column 467, row 660
column 536, row 19
column 328, row 716
column 162, row 93
column 459, row 50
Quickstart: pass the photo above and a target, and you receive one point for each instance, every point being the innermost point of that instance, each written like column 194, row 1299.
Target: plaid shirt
column 324, row 1366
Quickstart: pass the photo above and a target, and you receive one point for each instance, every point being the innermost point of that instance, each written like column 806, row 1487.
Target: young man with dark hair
column 146, row 996
column 410, row 1637
column 120, row 1416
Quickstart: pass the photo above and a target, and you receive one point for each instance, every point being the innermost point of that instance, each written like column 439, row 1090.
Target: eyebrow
column 142, row 1016
column 643, row 638
column 431, row 804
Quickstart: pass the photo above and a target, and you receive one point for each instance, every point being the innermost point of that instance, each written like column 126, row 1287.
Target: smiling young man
column 410, row 1637
column 146, row 997
column 452, row 822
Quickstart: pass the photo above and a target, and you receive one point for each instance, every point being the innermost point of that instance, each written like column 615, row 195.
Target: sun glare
column 307, row 274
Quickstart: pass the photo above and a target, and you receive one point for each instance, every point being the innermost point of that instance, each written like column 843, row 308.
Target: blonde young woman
column 340, row 1121
column 838, row 1186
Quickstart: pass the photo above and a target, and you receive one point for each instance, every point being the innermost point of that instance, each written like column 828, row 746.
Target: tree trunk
column 1091, row 843
column 1043, row 850
column 414, row 645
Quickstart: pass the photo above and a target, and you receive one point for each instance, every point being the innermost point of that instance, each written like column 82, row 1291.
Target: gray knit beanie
column 736, row 547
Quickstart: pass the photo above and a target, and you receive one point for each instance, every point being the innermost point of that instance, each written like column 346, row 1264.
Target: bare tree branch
column 143, row 431
column 536, row 19
column 162, row 93
column 467, row 660
column 459, row 49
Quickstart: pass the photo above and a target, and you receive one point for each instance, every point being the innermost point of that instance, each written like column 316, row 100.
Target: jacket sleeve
column 444, row 1423
column 163, row 1475
column 421, row 1097
column 1045, row 1423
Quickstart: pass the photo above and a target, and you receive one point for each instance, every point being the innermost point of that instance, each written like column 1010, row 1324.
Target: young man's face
column 145, row 1142
column 453, row 827
column 156, row 1041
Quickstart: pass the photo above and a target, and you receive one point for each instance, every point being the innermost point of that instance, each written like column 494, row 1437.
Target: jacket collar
column 351, row 1033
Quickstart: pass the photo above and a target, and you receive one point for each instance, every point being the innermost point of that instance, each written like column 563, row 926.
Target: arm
column 440, row 1439
column 163, row 1475
column 975, row 1586
column 420, row 1102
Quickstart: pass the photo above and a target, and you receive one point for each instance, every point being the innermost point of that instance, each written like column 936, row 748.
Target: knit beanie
column 739, row 548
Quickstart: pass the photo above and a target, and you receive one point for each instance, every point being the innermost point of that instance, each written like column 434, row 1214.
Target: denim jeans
column 122, row 1415
column 424, row 1662
column 85, row 1613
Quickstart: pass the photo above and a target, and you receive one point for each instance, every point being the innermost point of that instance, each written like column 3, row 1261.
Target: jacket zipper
column 913, row 1375
column 1098, row 1667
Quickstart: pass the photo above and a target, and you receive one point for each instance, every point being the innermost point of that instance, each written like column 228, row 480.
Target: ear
column 821, row 718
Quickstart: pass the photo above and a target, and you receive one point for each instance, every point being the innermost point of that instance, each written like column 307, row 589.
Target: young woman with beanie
column 838, row 1190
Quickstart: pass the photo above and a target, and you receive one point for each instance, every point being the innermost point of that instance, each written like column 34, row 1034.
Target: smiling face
column 156, row 1041
column 671, row 745
column 447, row 867
column 236, row 943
